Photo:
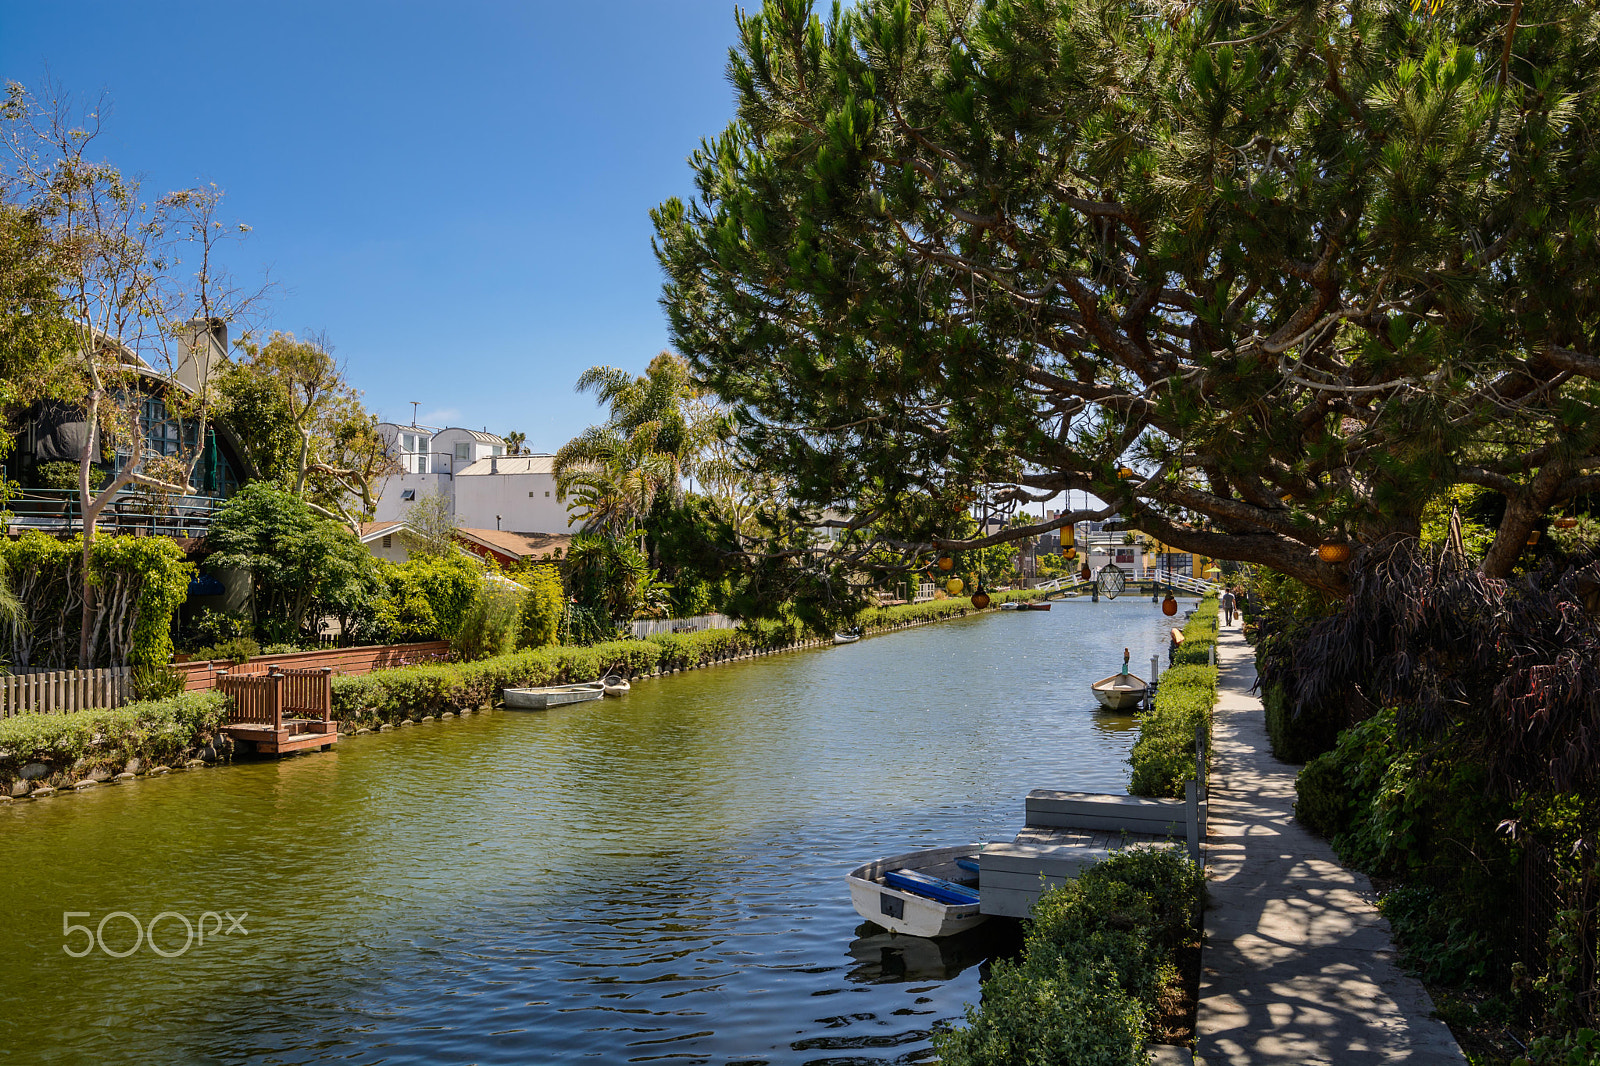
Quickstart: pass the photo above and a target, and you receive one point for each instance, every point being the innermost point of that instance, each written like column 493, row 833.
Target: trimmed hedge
column 157, row 732
column 1296, row 738
column 1098, row 954
column 1163, row 756
column 413, row 691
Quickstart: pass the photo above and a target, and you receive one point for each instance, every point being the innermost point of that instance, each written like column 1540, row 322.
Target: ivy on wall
column 138, row 581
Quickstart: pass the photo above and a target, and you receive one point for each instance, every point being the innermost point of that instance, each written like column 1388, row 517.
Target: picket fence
column 649, row 627
column 57, row 691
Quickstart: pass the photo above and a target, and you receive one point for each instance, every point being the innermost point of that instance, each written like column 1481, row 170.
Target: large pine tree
column 1295, row 267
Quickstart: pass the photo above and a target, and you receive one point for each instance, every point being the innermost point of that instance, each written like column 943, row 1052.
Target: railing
column 1183, row 581
column 130, row 511
column 58, row 691
column 345, row 662
column 924, row 592
column 264, row 699
column 649, row 627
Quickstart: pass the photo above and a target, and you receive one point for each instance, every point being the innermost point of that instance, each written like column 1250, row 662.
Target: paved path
column 1297, row 965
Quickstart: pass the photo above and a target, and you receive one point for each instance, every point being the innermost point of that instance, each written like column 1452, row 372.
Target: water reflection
column 885, row 957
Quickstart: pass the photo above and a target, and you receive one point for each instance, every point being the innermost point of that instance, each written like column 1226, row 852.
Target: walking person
column 1228, row 603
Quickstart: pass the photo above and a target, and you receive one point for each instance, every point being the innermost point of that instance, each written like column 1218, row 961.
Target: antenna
column 414, row 405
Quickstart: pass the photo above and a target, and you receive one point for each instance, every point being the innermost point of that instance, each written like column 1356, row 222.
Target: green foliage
column 155, row 732
column 61, row 474
column 1578, row 1048
column 427, row 597
column 1098, row 953
column 542, row 607
column 139, row 582
column 1295, row 738
column 301, row 564
column 1163, row 757
column 237, row 650
column 608, row 575
column 209, row 627
column 36, row 334
column 490, row 625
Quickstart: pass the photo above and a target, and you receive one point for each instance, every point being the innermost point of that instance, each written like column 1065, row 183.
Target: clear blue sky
column 456, row 192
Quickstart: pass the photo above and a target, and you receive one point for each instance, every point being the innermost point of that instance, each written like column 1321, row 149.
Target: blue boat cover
column 970, row 865
column 934, row 888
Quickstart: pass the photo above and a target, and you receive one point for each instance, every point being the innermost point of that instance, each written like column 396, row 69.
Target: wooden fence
column 344, row 662
column 56, row 691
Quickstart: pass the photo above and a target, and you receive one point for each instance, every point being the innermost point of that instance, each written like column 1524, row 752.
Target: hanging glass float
column 980, row 599
column 1070, row 553
column 1533, row 537
column 946, row 563
column 1169, row 606
column 1566, row 522
column 1333, row 552
column 953, row 586
column 1125, row 473
column 1084, row 573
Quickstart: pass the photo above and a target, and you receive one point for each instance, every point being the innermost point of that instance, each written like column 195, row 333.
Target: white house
column 485, row 487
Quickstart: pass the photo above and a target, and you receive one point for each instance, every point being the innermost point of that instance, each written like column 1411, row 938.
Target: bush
column 1098, row 953
column 1163, row 756
column 542, row 607
column 237, row 650
column 210, row 627
column 160, row 731
column 490, row 626
column 1296, row 738
column 63, row 475
column 426, row 597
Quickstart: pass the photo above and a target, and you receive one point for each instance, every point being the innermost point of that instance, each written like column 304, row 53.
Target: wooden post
column 327, row 693
column 275, row 696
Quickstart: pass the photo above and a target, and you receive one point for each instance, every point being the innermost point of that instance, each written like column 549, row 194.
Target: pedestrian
column 1228, row 603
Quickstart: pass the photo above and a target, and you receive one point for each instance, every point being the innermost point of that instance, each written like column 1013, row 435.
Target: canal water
column 652, row 879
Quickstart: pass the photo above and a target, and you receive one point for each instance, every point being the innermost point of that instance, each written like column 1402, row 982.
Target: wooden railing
column 264, row 700
column 58, row 691
column 345, row 662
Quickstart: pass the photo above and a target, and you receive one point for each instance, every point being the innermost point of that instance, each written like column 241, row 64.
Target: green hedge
column 1098, row 954
column 413, row 691
column 1163, row 756
column 1296, row 738
column 158, row 732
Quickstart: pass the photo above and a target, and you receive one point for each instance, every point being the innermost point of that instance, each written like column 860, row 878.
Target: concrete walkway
column 1297, row 966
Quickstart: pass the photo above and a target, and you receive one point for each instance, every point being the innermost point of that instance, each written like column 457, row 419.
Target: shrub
column 1098, row 953
column 426, row 597
column 490, row 626
column 210, row 627
column 1296, row 738
column 1163, row 756
column 542, row 607
column 158, row 732
column 237, row 650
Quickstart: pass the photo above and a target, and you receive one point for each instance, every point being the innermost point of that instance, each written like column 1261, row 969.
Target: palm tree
column 514, row 442
column 653, row 439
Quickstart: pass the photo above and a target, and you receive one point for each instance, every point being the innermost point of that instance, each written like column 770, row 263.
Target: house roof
column 510, row 464
column 371, row 531
column 517, row 545
column 481, row 438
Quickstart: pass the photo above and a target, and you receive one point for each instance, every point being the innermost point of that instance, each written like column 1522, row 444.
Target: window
column 422, row 464
column 408, row 442
column 388, row 541
column 464, row 451
column 530, row 495
column 496, row 450
column 408, row 494
column 547, row 495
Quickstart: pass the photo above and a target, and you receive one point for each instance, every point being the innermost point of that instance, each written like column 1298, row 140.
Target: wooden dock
column 281, row 710
column 1069, row 831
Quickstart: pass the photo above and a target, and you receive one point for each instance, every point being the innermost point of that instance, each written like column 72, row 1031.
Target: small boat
column 1008, row 606
column 846, row 637
column 539, row 699
column 1034, row 605
column 930, row 893
column 1120, row 692
column 615, row 685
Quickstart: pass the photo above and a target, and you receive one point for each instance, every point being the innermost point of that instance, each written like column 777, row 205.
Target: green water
column 657, row 878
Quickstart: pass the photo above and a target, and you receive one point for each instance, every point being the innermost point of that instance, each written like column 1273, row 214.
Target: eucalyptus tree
column 1259, row 275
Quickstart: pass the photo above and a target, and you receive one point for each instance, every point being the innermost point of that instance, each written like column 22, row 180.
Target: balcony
column 133, row 511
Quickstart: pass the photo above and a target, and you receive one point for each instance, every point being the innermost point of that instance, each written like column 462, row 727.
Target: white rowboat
column 615, row 685
column 1120, row 692
column 539, row 699
column 912, row 913
column 846, row 638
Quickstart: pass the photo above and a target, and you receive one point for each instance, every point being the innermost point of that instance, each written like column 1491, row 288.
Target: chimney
column 494, row 464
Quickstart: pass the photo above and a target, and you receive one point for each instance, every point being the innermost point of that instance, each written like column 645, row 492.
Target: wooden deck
column 1069, row 831
column 282, row 710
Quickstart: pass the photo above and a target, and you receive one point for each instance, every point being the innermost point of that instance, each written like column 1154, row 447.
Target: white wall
column 479, row 497
column 392, row 506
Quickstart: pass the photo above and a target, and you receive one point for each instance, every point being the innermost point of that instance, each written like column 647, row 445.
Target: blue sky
column 457, row 193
